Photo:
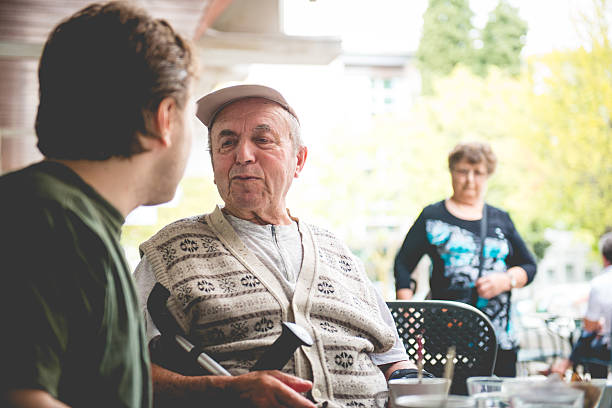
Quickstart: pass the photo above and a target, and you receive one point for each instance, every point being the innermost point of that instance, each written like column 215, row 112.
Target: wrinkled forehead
column 252, row 111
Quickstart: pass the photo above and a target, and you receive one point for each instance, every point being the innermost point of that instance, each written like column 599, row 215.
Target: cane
column 156, row 304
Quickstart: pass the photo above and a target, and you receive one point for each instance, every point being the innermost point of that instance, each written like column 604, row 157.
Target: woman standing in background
column 452, row 232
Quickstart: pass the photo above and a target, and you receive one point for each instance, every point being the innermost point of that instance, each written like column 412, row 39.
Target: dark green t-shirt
column 69, row 314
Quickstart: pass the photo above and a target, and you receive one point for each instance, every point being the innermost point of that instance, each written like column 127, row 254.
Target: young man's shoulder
column 49, row 195
column 31, row 191
column 38, row 183
column 28, row 181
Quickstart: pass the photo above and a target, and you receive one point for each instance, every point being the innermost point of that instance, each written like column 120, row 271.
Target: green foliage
column 446, row 39
column 573, row 133
column 503, row 38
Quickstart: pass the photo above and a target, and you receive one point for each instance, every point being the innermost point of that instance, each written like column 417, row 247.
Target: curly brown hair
column 102, row 75
column 474, row 153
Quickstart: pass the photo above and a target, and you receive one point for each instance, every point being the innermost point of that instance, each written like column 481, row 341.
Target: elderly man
column 236, row 273
column 114, row 125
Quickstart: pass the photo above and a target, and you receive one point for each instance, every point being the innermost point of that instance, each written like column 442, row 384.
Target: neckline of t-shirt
column 282, row 231
column 484, row 208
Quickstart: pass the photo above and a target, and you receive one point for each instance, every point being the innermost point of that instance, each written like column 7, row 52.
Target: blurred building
column 566, row 260
column 561, row 285
column 389, row 83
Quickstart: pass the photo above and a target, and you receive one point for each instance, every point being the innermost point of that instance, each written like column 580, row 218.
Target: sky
column 394, row 26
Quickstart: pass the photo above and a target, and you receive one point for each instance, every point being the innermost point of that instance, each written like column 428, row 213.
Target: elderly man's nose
column 245, row 152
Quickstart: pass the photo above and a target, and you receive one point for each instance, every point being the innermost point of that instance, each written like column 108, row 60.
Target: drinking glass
column 477, row 385
column 487, row 391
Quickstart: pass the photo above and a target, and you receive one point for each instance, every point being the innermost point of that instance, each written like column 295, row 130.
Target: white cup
column 413, row 386
column 435, row 401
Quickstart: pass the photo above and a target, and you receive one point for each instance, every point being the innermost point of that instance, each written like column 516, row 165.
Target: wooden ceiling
column 24, row 27
column 30, row 21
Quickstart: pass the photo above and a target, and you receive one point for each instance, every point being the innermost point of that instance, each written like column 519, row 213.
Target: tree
column 503, row 39
column 446, row 39
column 572, row 127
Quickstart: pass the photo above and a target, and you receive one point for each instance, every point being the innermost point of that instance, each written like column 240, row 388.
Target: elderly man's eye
column 227, row 143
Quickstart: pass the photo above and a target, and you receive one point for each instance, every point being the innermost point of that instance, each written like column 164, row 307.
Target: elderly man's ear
column 163, row 122
column 301, row 159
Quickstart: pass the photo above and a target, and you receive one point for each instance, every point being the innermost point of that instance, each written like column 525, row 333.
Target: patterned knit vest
column 231, row 306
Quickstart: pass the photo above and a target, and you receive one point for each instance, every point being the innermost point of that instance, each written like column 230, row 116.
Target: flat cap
column 211, row 104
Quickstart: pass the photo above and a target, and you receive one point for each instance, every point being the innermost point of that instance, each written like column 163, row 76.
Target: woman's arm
column 520, row 255
column 409, row 255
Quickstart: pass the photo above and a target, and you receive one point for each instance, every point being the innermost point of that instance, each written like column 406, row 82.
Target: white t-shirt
column 279, row 248
column 600, row 302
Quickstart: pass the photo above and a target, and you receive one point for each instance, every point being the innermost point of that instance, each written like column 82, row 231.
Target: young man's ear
column 164, row 119
column 161, row 125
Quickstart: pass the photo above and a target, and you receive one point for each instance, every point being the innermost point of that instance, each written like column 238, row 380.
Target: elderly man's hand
column 267, row 389
column 492, row 285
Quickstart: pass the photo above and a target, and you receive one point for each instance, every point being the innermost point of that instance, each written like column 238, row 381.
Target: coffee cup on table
column 413, row 386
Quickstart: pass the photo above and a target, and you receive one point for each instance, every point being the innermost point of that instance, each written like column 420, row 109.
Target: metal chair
column 443, row 324
column 542, row 341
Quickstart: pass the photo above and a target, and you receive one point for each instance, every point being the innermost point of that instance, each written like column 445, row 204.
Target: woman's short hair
column 474, row 153
column 102, row 75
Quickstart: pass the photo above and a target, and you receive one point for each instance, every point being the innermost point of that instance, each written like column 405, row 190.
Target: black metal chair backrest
column 443, row 324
